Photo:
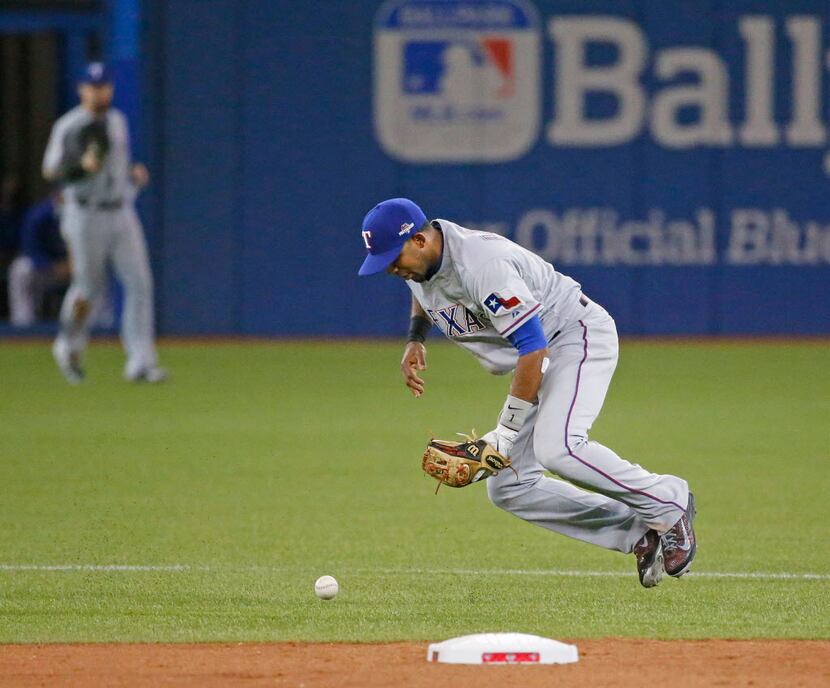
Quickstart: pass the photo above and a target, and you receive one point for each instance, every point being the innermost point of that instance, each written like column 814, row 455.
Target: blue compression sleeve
column 529, row 337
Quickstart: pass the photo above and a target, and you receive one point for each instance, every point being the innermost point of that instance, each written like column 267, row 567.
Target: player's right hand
column 91, row 160
column 414, row 359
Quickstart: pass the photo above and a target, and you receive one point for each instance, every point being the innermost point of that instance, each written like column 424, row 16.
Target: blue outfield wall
column 672, row 156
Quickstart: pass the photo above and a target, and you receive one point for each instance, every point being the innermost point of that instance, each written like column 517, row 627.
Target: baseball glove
column 92, row 139
column 458, row 464
column 94, row 135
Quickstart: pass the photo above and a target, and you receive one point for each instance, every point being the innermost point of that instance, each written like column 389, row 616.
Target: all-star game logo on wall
column 457, row 81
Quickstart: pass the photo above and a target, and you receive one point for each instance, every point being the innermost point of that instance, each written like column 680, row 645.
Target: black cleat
column 153, row 375
column 69, row 363
column 680, row 543
column 649, row 553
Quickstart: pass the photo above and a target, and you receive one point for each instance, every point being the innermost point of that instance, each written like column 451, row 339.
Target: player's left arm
column 530, row 340
column 528, row 375
column 138, row 173
column 514, row 312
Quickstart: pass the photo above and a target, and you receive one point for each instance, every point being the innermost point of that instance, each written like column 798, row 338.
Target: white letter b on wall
column 574, row 79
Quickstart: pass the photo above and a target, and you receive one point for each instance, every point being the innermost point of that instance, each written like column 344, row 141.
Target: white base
column 502, row 648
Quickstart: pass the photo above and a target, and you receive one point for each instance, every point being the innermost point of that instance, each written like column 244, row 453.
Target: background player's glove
column 93, row 136
column 511, row 420
column 458, row 464
column 86, row 149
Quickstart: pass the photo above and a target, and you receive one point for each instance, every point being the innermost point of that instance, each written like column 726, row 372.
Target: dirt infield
column 608, row 662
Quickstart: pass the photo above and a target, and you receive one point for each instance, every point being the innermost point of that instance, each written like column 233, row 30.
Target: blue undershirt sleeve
column 529, row 337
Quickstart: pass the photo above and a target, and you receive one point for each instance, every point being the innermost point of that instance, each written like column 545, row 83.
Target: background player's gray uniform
column 101, row 229
column 485, row 289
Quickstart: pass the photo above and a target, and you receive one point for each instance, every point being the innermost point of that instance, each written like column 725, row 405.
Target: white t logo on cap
column 366, row 237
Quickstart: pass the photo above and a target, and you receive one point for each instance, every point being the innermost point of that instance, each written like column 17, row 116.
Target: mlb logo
column 457, row 81
column 451, row 67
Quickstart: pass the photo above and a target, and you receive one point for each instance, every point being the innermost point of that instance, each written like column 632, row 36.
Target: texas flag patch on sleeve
column 495, row 302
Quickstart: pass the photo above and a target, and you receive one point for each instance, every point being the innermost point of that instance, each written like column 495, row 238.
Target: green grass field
column 261, row 466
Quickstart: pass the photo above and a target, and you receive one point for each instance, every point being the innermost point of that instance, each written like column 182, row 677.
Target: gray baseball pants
column 607, row 500
column 97, row 239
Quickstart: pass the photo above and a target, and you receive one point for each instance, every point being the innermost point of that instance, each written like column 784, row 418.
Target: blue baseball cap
column 96, row 73
column 386, row 228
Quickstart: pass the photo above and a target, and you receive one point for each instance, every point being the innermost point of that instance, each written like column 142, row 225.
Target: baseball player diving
column 89, row 155
column 514, row 312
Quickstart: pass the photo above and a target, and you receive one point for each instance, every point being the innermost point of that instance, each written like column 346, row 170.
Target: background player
column 42, row 262
column 513, row 311
column 101, row 228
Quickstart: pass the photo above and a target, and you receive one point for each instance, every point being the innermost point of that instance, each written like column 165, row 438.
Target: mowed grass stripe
column 184, row 568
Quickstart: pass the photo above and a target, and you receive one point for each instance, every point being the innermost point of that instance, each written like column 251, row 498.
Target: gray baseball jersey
column 112, row 182
column 487, row 287
column 484, row 290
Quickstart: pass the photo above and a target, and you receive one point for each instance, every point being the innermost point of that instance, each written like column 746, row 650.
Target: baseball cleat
column 153, row 375
column 680, row 543
column 69, row 363
column 649, row 553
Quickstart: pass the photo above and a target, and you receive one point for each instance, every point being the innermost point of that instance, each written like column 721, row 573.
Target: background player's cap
column 96, row 73
column 386, row 228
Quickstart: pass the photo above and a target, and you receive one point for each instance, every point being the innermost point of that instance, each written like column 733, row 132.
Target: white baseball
column 326, row 587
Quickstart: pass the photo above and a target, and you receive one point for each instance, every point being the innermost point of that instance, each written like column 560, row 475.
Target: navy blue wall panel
column 200, row 149
column 277, row 137
column 309, row 171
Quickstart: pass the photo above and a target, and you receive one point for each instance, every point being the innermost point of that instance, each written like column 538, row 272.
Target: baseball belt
column 101, row 205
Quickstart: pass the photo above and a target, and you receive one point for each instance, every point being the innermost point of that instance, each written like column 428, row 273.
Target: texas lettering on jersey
column 455, row 320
